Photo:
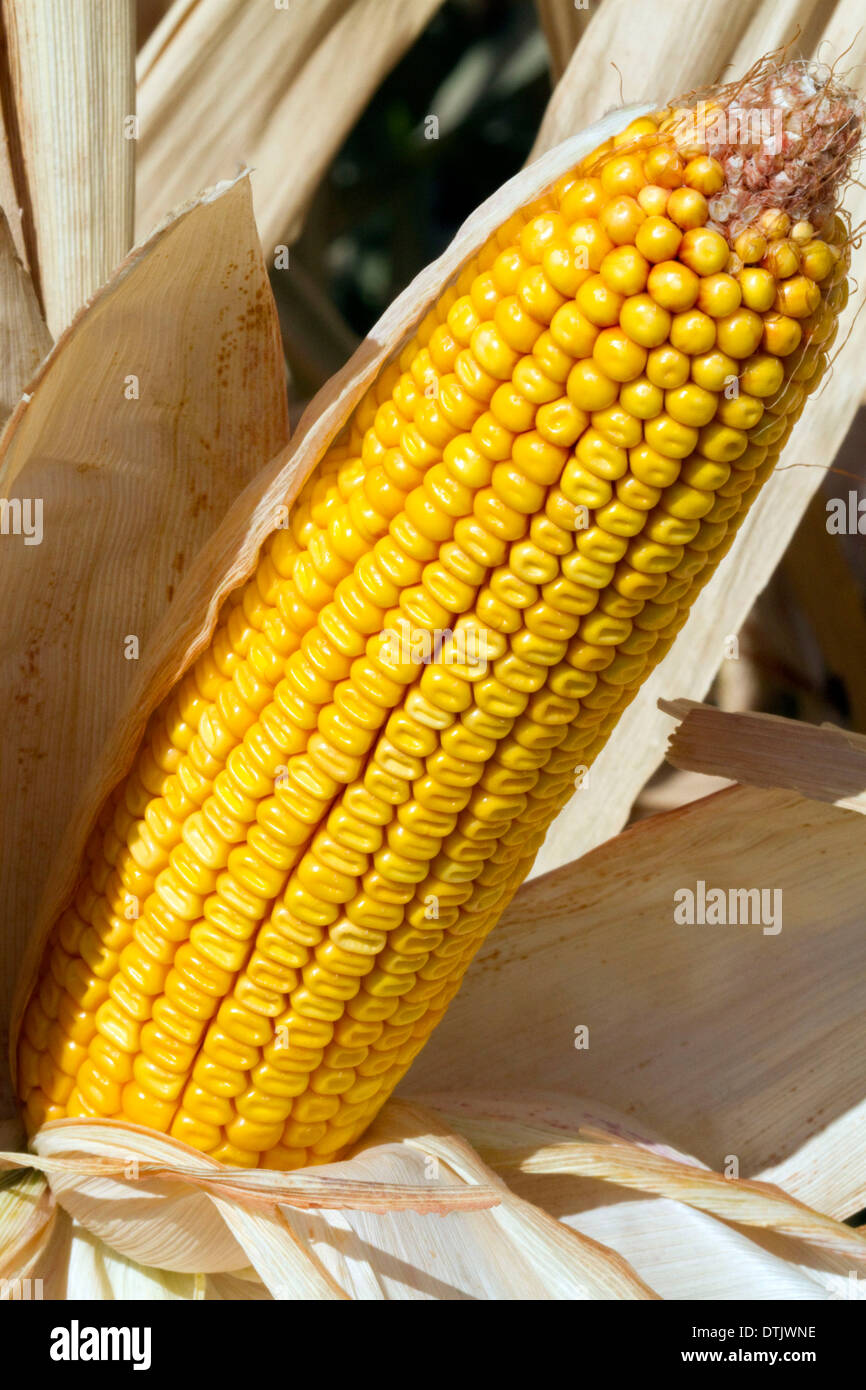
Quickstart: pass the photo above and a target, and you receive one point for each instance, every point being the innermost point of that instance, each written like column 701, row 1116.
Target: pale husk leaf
column 565, row 1268
column 27, row 1219
column 94, row 1270
column 131, row 488
column 566, row 1137
column 273, row 87
column 73, row 85
column 369, row 1230
column 24, row 337
column 723, row 1039
column 35, row 1238
column 686, row 1254
column 763, row 750
column 45, row 1254
column 563, row 25
column 681, row 1251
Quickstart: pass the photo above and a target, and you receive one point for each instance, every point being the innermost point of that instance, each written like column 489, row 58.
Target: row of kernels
column 170, row 837
column 427, row 845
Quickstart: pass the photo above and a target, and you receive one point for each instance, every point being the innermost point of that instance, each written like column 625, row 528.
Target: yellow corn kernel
column 342, row 794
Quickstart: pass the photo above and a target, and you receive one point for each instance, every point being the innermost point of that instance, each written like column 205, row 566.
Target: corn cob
column 320, row 829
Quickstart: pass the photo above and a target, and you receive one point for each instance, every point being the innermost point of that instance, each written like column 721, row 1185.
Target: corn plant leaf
column 726, row 1039
column 149, row 13
column 153, row 411
column 73, row 86
column 273, row 86
column 10, row 186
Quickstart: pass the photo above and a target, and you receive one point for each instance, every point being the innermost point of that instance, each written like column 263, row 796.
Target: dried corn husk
column 148, row 1196
column 24, row 337
column 73, row 88
column 273, row 86
column 153, row 410
column 762, row 750
column 523, row 1133
column 726, row 1040
column 572, row 1167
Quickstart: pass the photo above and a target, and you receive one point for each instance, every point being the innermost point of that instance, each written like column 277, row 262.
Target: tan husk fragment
column 73, row 86
column 722, row 1038
column 517, row 1133
column 179, row 361
column 763, row 750
column 24, row 337
column 275, row 87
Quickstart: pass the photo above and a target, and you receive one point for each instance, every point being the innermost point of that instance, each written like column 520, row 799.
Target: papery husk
column 73, row 86
column 131, row 487
column 331, row 1232
column 687, row 1255
column 592, row 1169
column 680, row 55
column 231, row 553
column 564, row 26
column 724, row 1040
column 555, row 1135
column 28, row 1214
column 764, row 750
column 24, row 336
column 10, row 176
column 44, row 1254
column 563, row 1267
column 226, row 82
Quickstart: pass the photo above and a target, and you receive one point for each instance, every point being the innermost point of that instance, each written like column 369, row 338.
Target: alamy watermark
column 732, row 907
column 405, row 644
column 846, row 516
column 22, row 516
